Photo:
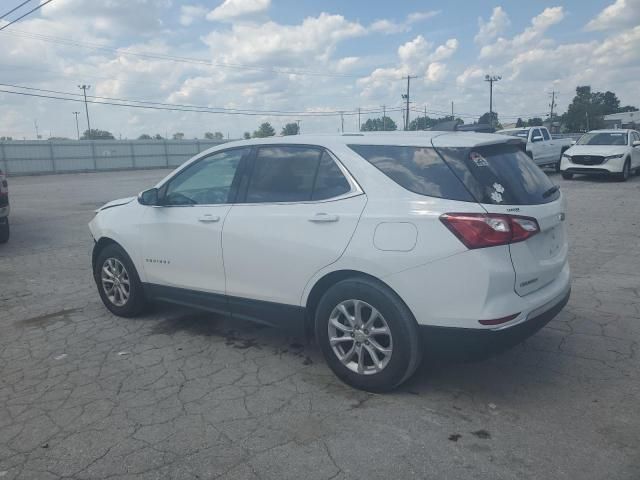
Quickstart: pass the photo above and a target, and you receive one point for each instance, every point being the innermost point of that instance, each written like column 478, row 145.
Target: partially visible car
column 4, row 208
column 603, row 152
column 545, row 150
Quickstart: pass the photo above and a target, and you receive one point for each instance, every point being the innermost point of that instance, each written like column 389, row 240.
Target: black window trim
column 162, row 189
column 247, row 173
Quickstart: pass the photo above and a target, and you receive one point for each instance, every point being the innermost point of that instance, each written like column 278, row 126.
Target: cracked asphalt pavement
column 179, row 394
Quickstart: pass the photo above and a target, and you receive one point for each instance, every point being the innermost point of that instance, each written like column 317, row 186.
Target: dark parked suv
column 4, row 208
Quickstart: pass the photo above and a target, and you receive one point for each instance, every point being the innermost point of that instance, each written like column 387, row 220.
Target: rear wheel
column 118, row 282
column 626, row 172
column 368, row 336
column 4, row 231
column 567, row 176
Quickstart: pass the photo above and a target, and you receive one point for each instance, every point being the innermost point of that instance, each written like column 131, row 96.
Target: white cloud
column 531, row 36
column 436, row 71
column 232, row 9
column 416, row 17
column 192, row 13
column 415, row 50
column 347, row 63
column 388, row 27
column 445, row 51
column 470, row 74
column 619, row 14
column 498, row 22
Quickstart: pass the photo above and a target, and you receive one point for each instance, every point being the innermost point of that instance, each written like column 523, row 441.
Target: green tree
column 208, row 136
column 290, row 129
column 378, row 125
column 520, row 123
column 96, row 134
column 247, row 135
column 627, row 108
column 144, row 136
column 265, row 130
column 178, row 136
column 157, row 136
column 534, row 122
column 489, row 118
column 6, row 139
column 424, row 123
column 588, row 108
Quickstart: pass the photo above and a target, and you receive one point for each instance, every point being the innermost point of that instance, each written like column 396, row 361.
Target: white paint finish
column 614, row 165
column 544, row 151
column 395, row 236
column 191, row 246
column 271, row 250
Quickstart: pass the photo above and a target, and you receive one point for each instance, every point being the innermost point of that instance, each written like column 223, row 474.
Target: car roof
column 418, row 139
column 612, row 130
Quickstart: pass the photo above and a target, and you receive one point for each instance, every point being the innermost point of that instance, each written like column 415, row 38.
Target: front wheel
column 626, row 172
column 4, row 231
column 368, row 336
column 118, row 282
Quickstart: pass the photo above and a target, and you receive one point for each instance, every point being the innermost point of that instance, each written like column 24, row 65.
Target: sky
column 303, row 58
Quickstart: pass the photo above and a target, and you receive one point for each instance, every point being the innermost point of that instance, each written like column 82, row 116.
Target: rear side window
column 500, row 174
column 418, row 169
column 294, row 174
column 545, row 133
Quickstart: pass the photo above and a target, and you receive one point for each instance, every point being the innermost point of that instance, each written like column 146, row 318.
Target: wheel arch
column 327, row 281
column 99, row 246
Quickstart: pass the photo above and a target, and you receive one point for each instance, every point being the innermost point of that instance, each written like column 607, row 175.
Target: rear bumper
column 471, row 343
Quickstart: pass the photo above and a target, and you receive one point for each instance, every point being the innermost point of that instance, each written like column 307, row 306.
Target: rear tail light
column 481, row 230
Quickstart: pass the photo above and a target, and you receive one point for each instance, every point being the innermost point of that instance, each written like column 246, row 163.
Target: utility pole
column 342, row 121
column 491, row 79
column 77, row 126
column 84, row 89
column 586, row 113
column 384, row 118
column 298, row 122
column 35, row 124
column 425, row 117
column 452, row 115
column 553, row 104
column 406, row 97
column 358, row 118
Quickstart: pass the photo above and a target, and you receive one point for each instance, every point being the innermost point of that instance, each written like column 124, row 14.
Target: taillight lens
column 481, row 230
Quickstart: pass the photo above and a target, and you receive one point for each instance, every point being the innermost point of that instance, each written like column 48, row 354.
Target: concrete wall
column 34, row 157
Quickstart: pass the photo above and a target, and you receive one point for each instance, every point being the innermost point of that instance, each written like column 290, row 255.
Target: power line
column 178, row 109
column 214, row 109
column 28, row 13
column 14, row 9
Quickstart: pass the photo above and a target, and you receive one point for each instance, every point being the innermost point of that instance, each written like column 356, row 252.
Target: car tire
column 626, row 172
column 567, row 176
column 118, row 282
column 5, row 231
column 396, row 344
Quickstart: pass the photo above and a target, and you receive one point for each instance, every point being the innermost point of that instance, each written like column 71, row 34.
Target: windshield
column 515, row 133
column 603, row 138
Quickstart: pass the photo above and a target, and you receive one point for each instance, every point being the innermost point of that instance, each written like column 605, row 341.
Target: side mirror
column 537, row 138
column 636, row 143
column 148, row 197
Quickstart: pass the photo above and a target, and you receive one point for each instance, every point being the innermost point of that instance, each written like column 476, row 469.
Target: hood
column 599, row 150
column 116, row 203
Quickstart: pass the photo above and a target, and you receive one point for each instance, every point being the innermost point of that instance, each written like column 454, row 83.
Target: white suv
column 384, row 245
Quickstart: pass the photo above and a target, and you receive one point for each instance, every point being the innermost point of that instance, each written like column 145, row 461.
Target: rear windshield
column 500, row 174
column 418, row 169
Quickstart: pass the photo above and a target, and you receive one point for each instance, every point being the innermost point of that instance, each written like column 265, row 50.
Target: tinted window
column 603, row 138
column 330, row 181
column 545, row 133
column 207, row 181
column 636, row 137
column 500, row 174
column 535, row 133
column 418, row 169
column 283, row 174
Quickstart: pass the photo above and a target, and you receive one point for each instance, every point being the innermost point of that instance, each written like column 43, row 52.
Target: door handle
column 208, row 218
column 323, row 218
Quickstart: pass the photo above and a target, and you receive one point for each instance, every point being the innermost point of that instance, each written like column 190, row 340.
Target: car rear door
column 505, row 181
column 298, row 211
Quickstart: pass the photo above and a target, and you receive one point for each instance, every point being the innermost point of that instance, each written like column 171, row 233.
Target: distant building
column 622, row 120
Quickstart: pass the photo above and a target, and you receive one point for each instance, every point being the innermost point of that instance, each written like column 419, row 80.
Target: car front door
column 297, row 213
column 635, row 151
column 183, row 234
column 537, row 145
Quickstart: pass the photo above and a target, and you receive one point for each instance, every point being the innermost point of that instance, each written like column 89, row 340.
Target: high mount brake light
column 481, row 230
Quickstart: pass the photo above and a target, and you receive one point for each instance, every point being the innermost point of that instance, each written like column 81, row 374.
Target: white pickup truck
column 541, row 146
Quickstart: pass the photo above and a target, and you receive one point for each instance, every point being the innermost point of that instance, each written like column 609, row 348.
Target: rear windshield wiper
column 551, row 191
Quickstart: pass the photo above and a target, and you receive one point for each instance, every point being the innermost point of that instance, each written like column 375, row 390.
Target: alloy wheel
column 360, row 337
column 115, row 282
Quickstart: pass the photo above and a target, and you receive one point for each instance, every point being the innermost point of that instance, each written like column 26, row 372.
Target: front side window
column 545, row 133
column 535, row 135
column 294, row 174
column 206, row 182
